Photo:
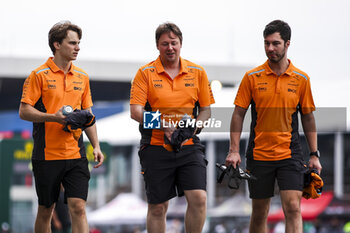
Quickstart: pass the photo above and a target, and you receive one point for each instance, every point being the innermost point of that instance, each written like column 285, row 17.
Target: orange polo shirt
column 172, row 97
column 275, row 102
column 48, row 89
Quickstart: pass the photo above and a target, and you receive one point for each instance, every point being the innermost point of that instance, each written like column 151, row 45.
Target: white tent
column 119, row 129
column 126, row 208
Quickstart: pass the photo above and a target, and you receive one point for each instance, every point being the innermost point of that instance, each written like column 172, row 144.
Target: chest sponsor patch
column 189, row 84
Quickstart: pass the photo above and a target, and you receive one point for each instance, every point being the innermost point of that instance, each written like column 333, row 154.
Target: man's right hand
column 233, row 158
column 59, row 117
column 169, row 131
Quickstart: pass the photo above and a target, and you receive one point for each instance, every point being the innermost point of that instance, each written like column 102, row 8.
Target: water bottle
column 67, row 109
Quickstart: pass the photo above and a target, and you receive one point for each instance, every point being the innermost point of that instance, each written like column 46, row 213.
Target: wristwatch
column 316, row 153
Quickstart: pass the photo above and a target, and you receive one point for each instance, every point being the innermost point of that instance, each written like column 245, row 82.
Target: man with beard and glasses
column 276, row 91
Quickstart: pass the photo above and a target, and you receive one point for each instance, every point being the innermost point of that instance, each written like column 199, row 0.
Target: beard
column 277, row 58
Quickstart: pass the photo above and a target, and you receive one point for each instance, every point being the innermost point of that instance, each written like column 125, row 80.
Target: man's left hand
column 98, row 157
column 314, row 162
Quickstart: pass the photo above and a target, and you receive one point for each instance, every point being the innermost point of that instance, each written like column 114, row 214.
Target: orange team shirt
column 172, row 97
column 275, row 102
column 48, row 89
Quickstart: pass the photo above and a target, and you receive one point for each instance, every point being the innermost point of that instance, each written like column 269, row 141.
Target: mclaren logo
column 158, row 85
column 189, row 85
column 78, row 75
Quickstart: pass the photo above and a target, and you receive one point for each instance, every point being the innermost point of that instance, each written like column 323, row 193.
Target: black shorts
column 168, row 174
column 74, row 175
column 289, row 174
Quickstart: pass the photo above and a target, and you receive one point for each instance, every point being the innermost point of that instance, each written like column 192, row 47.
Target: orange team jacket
column 153, row 88
column 48, row 89
column 275, row 102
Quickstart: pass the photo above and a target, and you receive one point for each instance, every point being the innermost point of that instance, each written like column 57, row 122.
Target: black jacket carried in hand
column 78, row 121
